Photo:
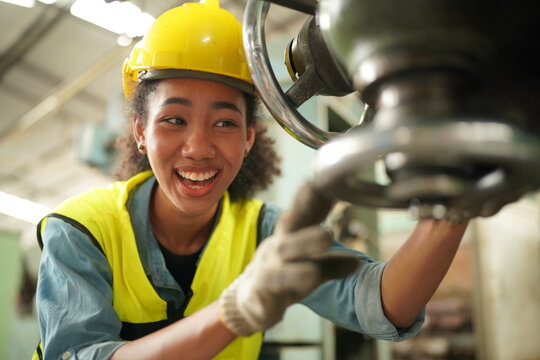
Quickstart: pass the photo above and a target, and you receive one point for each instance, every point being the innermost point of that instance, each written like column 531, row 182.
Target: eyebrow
column 177, row 100
column 216, row 105
column 225, row 105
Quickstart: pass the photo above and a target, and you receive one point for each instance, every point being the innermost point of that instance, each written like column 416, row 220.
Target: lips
column 198, row 181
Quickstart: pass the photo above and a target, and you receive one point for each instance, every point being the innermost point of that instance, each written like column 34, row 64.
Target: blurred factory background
column 61, row 101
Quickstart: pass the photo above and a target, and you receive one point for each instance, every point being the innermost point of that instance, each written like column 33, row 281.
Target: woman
column 156, row 267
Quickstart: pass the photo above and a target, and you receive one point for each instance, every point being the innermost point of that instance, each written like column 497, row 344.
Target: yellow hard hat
column 199, row 40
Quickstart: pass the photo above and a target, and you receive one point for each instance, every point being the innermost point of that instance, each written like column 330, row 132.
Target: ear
column 250, row 138
column 138, row 131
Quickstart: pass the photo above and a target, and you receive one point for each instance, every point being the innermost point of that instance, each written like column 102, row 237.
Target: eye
column 226, row 123
column 175, row 121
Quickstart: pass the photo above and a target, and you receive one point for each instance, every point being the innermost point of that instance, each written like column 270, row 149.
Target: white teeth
column 197, row 176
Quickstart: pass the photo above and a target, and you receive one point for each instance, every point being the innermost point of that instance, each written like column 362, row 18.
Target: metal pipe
column 68, row 89
column 47, row 19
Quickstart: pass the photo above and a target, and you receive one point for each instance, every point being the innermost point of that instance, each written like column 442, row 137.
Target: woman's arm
column 74, row 290
column 416, row 270
column 407, row 283
column 201, row 335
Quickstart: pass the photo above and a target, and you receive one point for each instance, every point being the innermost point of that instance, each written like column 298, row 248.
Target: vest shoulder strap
column 72, row 222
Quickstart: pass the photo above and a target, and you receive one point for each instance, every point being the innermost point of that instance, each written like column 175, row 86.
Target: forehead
column 198, row 91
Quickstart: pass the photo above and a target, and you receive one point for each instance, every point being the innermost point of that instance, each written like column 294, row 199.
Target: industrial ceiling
column 58, row 75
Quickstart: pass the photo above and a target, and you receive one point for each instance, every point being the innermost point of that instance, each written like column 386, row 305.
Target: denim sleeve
column 267, row 221
column 355, row 302
column 74, row 297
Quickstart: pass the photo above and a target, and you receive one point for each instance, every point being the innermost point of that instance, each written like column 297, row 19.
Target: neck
column 177, row 232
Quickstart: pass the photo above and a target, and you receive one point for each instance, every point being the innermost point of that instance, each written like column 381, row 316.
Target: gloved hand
column 286, row 267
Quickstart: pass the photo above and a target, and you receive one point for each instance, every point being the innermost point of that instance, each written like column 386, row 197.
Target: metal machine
column 451, row 92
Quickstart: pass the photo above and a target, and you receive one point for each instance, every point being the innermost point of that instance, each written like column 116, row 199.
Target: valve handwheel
column 444, row 159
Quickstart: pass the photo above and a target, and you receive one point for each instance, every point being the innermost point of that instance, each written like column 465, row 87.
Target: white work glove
column 286, row 267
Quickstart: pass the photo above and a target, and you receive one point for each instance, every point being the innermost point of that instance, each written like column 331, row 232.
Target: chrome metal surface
column 509, row 156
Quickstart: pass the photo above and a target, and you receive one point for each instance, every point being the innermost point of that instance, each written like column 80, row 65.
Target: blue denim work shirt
column 74, row 295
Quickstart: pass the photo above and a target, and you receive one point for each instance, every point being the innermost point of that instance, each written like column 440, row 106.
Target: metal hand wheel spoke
column 304, row 88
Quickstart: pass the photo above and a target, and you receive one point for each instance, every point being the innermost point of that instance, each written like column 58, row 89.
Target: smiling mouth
column 196, row 180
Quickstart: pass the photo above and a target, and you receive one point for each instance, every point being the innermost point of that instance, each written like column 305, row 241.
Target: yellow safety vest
column 103, row 213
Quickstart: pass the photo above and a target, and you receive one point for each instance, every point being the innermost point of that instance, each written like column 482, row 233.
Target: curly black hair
column 258, row 169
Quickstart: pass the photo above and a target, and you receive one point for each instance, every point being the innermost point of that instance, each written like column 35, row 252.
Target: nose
column 198, row 144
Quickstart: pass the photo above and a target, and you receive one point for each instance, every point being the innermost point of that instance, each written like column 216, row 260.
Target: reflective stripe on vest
column 104, row 214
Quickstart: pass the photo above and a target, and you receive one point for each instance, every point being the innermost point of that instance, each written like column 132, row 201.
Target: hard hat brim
column 160, row 74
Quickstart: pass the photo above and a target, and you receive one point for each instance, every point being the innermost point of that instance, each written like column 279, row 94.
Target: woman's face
column 196, row 138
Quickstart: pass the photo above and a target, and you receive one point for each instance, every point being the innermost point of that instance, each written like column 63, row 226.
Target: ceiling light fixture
column 124, row 40
column 22, row 209
column 118, row 17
